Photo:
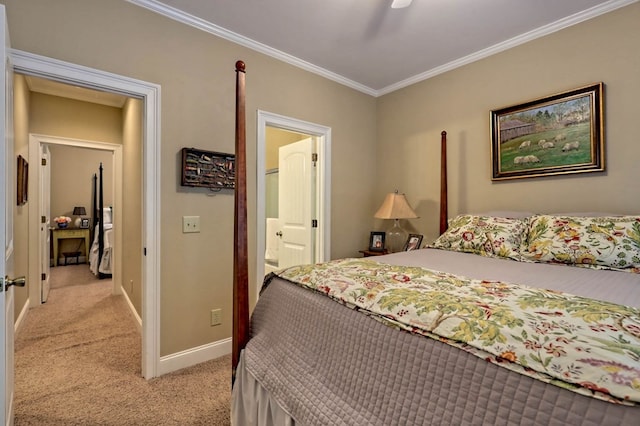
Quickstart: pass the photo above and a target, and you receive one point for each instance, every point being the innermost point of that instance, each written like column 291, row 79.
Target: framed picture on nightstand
column 376, row 241
column 84, row 223
column 413, row 242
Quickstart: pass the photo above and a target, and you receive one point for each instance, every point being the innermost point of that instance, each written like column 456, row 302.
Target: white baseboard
column 193, row 356
column 189, row 357
column 21, row 317
column 132, row 309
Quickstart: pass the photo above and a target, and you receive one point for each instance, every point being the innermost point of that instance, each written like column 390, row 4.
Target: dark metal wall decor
column 208, row 169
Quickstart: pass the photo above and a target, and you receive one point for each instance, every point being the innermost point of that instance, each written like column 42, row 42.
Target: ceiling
column 50, row 87
column 367, row 45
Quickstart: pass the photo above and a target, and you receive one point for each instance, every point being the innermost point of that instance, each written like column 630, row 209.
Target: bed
column 101, row 253
column 389, row 341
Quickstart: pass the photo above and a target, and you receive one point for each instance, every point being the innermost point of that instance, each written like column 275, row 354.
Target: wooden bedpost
column 443, row 183
column 240, row 257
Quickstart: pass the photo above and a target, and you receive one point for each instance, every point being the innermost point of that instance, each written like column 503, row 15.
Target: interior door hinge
column 314, row 158
column 43, row 277
column 44, row 161
column 43, row 219
column 314, row 223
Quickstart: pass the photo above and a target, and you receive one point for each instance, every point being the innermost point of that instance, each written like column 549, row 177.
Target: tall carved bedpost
column 240, row 256
column 444, row 214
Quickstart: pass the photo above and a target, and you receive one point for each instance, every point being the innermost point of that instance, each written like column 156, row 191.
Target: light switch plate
column 190, row 224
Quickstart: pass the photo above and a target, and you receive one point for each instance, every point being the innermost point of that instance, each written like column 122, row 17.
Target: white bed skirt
column 252, row 404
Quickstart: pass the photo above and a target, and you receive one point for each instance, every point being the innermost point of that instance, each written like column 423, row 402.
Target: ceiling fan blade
column 399, row 4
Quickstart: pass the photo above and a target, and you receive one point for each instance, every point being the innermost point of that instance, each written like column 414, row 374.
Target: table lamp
column 396, row 207
column 79, row 211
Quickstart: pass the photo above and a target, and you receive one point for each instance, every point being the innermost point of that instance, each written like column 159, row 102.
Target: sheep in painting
column 524, row 159
column 571, row 146
column 548, row 145
column 542, row 142
column 525, row 144
column 560, row 137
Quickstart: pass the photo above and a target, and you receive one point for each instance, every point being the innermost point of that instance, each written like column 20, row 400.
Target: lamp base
column 396, row 237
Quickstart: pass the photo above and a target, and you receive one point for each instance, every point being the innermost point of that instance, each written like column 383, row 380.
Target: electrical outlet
column 216, row 317
column 190, row 224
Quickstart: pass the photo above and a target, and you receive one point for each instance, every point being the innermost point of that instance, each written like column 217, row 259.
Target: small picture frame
column 22, row 191
column 413, row 242
column 376, row 241
column 84, row 223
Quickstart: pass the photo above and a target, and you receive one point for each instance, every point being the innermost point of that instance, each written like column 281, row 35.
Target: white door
column 7, row 200
column 296, row 197
column 45, row 221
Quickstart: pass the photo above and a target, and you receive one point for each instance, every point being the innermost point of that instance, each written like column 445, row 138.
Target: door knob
column 279, row 234
column 8, row 282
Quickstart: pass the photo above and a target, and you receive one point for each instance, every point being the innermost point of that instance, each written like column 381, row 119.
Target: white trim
column 193, row 356
column 35, row 140
column 512, row 42
column 31, row 64
column 201, row 24
column 323, row 135
column 21, row 318
column 206, row 26
column 132, row 309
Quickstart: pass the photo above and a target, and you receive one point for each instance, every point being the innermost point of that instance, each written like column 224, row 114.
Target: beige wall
column 72, row 171
column 410, row 121
column 132, row 202
column 21, row 213
column 52, row 115
column 274, row 139
column 195, row 71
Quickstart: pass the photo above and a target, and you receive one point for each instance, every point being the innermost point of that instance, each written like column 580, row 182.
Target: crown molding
column 201, row 24
column 512, row 42
column 194, row 21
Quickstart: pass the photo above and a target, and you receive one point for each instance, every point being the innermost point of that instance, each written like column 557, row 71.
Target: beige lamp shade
column 395, row 206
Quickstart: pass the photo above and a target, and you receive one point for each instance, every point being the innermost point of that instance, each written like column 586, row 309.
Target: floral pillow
column 601, row 242
column 484, row 235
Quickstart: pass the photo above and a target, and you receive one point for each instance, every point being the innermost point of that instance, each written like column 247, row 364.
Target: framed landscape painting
column 558, row 134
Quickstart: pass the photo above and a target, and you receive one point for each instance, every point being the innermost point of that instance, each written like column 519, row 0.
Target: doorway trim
column 35, row 141
column 323, row 137
column 65, row 72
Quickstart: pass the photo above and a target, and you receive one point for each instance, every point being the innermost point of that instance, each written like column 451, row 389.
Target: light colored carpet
column 78, row 363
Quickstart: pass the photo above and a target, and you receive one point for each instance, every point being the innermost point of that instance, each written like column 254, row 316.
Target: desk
column 69, row 233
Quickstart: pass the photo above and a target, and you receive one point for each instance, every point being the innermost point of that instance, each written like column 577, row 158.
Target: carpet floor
column 77, row 362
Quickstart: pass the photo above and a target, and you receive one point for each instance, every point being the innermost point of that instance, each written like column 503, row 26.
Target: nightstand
column 367, row 253
column 70, row 233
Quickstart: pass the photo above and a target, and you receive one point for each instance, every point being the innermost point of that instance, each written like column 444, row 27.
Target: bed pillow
column 611, row 242
column 484, row 235
column 512, row 214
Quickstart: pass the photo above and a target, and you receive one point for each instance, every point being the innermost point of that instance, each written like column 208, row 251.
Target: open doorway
column 149, row 164
column 293, row 193
column 64, row 184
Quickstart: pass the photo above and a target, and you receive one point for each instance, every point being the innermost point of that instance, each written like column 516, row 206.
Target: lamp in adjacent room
column 79, row 211
column 396, row 207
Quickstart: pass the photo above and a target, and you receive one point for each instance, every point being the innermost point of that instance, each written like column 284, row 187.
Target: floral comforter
column 585, row 345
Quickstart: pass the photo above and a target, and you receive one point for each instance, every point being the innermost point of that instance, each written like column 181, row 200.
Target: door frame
column 35, row 141
column 323, row 184
column 65, row 72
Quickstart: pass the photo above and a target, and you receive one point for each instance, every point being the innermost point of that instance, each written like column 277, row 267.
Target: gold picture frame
column 557, row 134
